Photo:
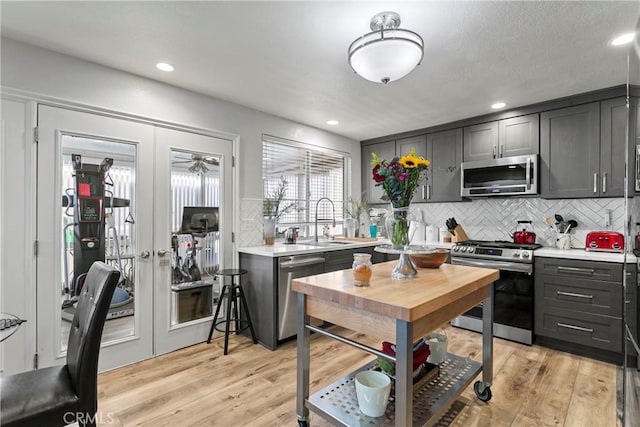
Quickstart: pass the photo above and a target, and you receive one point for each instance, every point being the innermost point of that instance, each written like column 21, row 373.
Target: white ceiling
column 289, row 58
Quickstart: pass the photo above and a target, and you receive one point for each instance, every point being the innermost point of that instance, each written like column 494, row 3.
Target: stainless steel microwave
column 505, row 176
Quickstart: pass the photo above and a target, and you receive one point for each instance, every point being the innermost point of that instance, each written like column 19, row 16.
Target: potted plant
column 273, row 207
column 357, row 210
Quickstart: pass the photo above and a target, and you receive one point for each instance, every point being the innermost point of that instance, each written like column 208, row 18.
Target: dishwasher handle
column 301, row 262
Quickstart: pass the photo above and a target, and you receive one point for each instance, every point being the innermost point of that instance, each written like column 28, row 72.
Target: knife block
column 459, row 235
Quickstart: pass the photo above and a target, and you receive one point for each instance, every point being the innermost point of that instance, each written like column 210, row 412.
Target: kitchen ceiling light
column 388, row 53
column 623, row 39
column 498, row 105
column 333, row 122
column 164, row 66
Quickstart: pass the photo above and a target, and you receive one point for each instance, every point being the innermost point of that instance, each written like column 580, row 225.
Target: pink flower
column 402, row 176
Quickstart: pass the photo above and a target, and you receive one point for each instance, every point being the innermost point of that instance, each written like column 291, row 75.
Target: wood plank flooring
column 252, row 386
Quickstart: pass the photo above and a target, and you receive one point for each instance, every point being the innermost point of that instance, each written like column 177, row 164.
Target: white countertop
column 583, row 254
column 283, row 249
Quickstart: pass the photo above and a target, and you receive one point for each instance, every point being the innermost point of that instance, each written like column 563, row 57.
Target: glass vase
column 269, row 230
column 397, row 224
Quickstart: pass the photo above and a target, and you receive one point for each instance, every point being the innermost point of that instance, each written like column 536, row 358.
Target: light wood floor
column 252, row 386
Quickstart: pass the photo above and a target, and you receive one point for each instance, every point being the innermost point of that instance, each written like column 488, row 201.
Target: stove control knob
column 525, row 254
column 463, row 249
column 516, row 254
column 455, row 249
column 470, row 250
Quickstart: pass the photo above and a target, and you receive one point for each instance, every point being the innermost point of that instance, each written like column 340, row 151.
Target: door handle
column 595, row 182
column 162, row 252
column 493, row 152
column 145, row 254
column 500, row 150
column 428, row 191
column 424, row 196
column 604, row 182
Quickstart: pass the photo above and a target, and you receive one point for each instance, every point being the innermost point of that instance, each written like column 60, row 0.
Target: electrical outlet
column 607, row 218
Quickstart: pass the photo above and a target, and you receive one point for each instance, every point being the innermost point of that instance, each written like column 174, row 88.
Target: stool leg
column 226, row 326
column 215, row 316
column 245, row 307
column 236, row 300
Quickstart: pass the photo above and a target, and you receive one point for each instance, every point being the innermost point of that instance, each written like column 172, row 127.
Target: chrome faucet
column 316, row 217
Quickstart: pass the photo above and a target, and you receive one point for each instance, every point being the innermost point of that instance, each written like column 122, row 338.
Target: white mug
column 372, row 390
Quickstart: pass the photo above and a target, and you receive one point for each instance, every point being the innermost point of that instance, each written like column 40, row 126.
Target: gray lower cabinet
column 578, row 306
column 343, row 259
column 384, row 150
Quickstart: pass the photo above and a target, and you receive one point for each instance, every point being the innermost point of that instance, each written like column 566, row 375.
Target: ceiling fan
column 198, row 162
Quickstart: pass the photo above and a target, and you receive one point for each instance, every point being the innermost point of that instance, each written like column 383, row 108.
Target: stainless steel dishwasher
column 290, row 268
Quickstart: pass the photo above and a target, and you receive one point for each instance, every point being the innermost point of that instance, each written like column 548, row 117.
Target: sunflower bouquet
column 399, row 177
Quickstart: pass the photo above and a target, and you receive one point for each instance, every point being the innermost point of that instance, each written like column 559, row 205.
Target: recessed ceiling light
column 164, row 66
column 623, row 39
column 333, row 122
column 498, row 105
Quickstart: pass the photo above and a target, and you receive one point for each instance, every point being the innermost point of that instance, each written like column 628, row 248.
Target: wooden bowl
column 430, row 260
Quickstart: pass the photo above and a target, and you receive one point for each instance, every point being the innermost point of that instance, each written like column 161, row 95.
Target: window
column 311, row 173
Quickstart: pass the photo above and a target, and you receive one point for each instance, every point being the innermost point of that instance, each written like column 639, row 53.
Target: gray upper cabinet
column 404, row 146
column 613, row 121
column 384, row 150
column 519, row 136
column 445, row 154
column 481, row 141
column 570, row 152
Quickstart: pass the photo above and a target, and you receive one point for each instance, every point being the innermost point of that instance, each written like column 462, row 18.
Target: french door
column 115, row 190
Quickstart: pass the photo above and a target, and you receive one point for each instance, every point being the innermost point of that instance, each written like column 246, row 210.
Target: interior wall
column 43, row 72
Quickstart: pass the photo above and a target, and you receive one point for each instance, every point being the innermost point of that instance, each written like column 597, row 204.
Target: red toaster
column 607, row 241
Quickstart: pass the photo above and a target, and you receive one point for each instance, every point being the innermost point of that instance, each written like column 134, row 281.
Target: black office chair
column 61, row 395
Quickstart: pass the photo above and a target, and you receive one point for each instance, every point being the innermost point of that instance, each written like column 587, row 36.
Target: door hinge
column 233, row 237
column 36, row 248
column 35, row 361
column 35, row 135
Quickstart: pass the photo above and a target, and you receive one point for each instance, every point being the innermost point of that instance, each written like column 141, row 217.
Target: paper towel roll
column 431, row 234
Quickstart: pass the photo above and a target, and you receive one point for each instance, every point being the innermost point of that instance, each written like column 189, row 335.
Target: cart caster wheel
column 303, row 423
column 482, row 392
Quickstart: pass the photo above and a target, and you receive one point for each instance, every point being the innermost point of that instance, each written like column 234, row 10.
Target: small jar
column 362, row 269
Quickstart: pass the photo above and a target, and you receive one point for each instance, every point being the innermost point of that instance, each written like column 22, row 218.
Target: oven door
column 513, row 301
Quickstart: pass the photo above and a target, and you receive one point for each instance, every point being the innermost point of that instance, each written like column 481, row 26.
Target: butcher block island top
column 429, row 300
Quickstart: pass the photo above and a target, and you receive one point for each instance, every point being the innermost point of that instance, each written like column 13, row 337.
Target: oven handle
column 498, row 265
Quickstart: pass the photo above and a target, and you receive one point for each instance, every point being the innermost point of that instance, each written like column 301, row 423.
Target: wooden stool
column 233, row 293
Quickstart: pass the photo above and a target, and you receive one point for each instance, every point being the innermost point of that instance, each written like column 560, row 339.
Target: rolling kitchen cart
column 400, row 311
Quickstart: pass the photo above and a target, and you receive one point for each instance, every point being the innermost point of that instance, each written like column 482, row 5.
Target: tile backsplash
column 495, row 218
column 487, row 219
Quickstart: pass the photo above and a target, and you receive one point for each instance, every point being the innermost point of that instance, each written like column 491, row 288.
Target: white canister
column 431, row 234
column 445, row 236
column 417, row 231
column 563, row 241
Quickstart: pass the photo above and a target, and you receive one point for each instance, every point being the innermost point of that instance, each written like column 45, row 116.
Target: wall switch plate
column 607, row 218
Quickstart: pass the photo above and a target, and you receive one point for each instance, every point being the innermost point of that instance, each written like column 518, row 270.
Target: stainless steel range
column 513, row 292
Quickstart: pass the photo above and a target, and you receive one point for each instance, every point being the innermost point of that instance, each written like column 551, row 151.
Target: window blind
column 311, row 173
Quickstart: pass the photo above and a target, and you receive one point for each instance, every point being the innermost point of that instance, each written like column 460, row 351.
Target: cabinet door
column 519, row 136
column 384, row 150
column 481, row 141
column 404, row 146
column 613, row 122
column 570, row 152
column 444, row 173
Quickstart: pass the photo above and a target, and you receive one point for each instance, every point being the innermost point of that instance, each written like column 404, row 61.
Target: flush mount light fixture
column 333, row 122
column 164, row 66
column 498, row 105
column 623, row 39
column 387, row 53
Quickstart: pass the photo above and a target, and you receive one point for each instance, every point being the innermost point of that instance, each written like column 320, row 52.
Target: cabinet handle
column 424, row 196
column 576, row 328
column 528, row 173
column 493, row 152
column 571, row 294
column 595, row 182
column 637, row 167
column 575, row 270
column 604, row 182
column 500, row 150
column 428, row 191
